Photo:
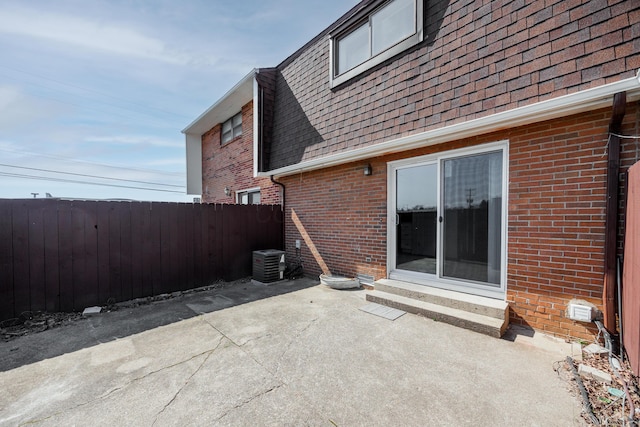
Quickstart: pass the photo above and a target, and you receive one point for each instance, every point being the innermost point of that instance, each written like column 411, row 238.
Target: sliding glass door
column 472, row 217
column 449, row 220
column 416, row 218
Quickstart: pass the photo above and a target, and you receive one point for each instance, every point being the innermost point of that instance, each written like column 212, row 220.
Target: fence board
column 36, row 254
column 179, row 245
column 115, row 291
column 137, row 218
column 92, row 291
column 102, row 236
column 126, row 262
column 209, row 241
column 66, row 255
column 144, row 261
column 79, row 257
column 20, row 223
column 189, row 246
column 631, row 271
column 6, row 260
column 51, row 260
column 227, row 238
column 242, row 260
column 165, row 249
column 197, row 261
column 154, row 257
column 217, row 244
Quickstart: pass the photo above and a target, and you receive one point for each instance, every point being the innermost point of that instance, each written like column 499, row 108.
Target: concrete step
column 471, row 303
column 475, row 322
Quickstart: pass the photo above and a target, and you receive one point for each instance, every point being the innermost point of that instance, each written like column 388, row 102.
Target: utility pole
column 470, row 193
column 34, row 195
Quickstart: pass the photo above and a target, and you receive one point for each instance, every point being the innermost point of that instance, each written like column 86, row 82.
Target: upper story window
column 374, row 35
column 231, row 128
column 248, row 197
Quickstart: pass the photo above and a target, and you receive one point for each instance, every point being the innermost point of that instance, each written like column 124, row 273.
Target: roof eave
column 585, row 100
column 231, row 103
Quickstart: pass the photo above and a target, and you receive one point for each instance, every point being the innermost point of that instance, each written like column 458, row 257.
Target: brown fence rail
column 61, row 255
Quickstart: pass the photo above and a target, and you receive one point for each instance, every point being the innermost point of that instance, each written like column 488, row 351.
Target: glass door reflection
column 417, row 218
column 472, row 211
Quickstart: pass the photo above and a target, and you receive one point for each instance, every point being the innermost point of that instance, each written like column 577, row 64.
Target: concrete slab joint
column 300, row 358
column 177, row 393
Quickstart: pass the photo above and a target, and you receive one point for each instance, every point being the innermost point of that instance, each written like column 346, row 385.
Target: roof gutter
column 193, row 126
column 585, row 100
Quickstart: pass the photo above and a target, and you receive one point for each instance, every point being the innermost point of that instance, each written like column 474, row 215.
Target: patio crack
column 177, row 393
column 254, row 339
column 132, row 381
column 290, row 343
column 247, row 401
column 242, row 349
column 294, row 339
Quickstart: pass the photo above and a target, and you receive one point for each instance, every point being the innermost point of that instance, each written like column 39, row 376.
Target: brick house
column 453, row 148
column 220, row 152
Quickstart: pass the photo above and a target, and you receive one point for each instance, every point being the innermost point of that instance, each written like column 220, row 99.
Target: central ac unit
column 268, row 265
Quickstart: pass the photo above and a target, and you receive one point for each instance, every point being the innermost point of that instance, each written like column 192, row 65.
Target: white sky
column 102, row 88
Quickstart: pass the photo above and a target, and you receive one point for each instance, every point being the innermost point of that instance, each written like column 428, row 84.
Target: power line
column 90, row 176
column 42, row 178
column 51, row 156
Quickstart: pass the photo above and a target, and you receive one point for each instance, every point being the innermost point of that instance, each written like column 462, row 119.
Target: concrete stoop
column 485, row 315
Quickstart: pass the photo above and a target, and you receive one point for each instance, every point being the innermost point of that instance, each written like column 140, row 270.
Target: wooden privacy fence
column 61, row 255
column 631, row 267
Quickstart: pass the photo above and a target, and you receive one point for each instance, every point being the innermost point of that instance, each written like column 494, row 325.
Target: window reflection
column 472, row 217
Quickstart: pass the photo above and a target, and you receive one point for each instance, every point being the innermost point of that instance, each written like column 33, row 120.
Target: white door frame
column 436, row 280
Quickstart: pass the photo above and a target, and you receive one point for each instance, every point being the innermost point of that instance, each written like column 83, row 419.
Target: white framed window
column 249, row 196
column 231, row 128
column 373, row 36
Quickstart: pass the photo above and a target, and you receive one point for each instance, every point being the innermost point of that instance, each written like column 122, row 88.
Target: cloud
column 84, row 85
column 18, row 109
column 111, row 38
column 142, row 140
column 171, row 161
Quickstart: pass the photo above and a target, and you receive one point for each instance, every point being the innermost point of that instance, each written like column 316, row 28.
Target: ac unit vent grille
column 268, row 265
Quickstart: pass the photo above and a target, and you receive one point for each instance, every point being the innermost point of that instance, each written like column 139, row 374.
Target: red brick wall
column 231, row 165
column 556, row 213
column 487, row 57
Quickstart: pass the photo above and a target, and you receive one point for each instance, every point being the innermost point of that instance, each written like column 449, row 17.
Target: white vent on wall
column 580, row 312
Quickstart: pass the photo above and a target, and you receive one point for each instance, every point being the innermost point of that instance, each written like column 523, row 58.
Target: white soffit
column 227, row 106
column 585, row 100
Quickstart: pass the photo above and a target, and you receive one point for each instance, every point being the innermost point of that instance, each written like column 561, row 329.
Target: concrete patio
column 306, row 357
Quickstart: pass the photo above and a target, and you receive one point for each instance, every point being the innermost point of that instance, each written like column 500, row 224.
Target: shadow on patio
column 129, row 319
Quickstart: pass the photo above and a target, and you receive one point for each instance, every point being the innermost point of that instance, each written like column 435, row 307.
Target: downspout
column 261, row 135
column 611, row 219
column 261, row 160
column 284, row 213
